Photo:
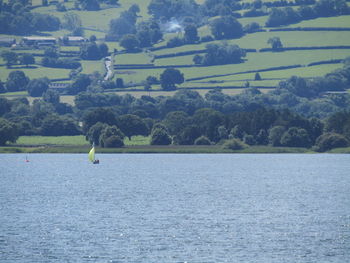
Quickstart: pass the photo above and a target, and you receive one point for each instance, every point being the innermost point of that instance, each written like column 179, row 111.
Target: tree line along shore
column 179, row 48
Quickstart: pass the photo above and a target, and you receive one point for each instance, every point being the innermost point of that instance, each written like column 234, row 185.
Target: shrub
column 328, row 141
column 160, row 137
column 175, row 42
column 249, row 139
column 234, row 144
column 113, row 142
column 207, row 38
column 203, row 140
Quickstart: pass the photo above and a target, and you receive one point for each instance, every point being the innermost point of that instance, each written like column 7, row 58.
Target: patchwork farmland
column 310, row 48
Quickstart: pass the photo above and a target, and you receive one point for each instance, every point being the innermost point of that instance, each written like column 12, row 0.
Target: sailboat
column 92, row 155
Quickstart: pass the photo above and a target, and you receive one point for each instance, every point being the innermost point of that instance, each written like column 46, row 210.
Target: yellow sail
column 92, row 154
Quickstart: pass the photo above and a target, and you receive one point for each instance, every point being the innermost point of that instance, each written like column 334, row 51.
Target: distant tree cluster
column 147, row 34
column 322, row 8
column 16, row 18
column 43, row 117
column 190, row 37
column 93, row 51
column 170, row 8
column 88, row 5
column 219, row 7
column 12, row 58
column 124, row 24
column 226, row 27
column 220, row 54
column 51, row 59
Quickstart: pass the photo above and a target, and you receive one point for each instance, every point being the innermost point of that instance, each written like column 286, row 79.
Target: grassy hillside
column 97, row 23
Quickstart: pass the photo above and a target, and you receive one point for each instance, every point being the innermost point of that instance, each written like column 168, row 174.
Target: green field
column 255, row 61
column 52, row 140
column 337, row 21
column 97, row 23
column 78, row 140
column 98, row 20
column 90, row 66
column 151, row 149
column 37, row 72
column 134, row 58
column 289, row 39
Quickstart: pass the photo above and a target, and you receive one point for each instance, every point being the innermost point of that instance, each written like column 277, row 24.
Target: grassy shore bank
column 137, row 144
column 150, row 149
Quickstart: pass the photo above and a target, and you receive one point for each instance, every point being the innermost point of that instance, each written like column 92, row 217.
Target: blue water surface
column 175, row 208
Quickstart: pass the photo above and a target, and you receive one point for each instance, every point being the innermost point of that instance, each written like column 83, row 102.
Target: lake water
column 175, row 208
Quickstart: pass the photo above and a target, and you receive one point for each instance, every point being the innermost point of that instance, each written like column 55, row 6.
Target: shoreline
column 190, row 149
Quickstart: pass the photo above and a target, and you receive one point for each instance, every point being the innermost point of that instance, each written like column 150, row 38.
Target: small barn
column 39, row 41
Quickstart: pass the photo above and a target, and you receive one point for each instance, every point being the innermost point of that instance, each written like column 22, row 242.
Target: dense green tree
column 282, row 16
column 175, row 121
column 257, row 76
column 103, row 48
column 51, row 52
column 60, row 7
column 169, row 8
column 170, row 77
column 51, row 96
column 234, row 144
column 9, row 57
column 338, row 123
column 306, row 12
column 130, row 42
column 16, row 81
column 226, row 27
column 275, row 135
column 219, row 7
column 202, row 140
column 91, row 51
column 296, row 137
column 36, row 87
column 188, row 135
column 251, row 27
column 124, row 24
column 89, row 5
column 45, row 22
column 249, row 139
column 8, row 131
column 160, row 137
column 236, row 132
column 113, row 141
column 119, row 82
column 94, row 133
column 71, row 21
column 275, row 43
column 54, row 125
column 222, row 132
column 5, row 106
column 148, row 33
column 326, row 8
column 132, row 125
column 208, row 121
column 27, row 59
column 80, row 84
column 191, row 34
column 175, row 42
column 98, row 115
column 328, row 141
column 262, row 137
column 2, row 87
column 105, row 139
column 223, row 53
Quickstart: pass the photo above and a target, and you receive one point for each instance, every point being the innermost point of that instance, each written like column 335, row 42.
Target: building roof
column 39, row 38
